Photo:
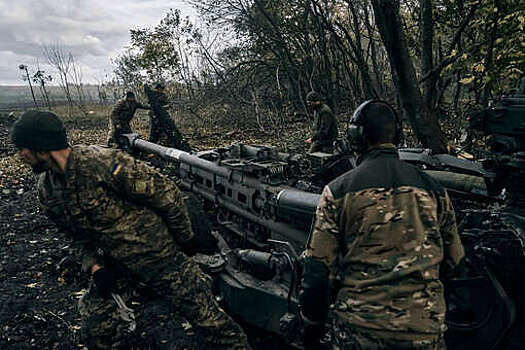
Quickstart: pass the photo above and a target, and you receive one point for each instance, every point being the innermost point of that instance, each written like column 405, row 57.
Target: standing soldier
column 121, row 116
column 325, row 125
column 161, row 124
column 386, row 233
column 133, row 225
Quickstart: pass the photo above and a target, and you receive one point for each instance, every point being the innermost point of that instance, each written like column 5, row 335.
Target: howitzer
column 486, row 304
column 265, row 203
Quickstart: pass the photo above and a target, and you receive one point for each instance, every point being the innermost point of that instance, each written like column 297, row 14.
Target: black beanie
column 39, row 131
column 130, row 94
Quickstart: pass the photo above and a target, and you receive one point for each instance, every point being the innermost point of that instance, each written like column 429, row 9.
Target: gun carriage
column 264, row 203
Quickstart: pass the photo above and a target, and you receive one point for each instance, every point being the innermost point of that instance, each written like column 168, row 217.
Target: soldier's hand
column 308, row 141
column 105, row 282
column 201, row 243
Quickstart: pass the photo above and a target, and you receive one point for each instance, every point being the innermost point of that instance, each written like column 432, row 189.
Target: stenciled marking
column 174, row 153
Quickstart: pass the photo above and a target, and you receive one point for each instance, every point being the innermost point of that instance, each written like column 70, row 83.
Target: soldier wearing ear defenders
column 387, row 233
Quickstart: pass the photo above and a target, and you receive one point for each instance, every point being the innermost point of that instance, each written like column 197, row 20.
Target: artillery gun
column 485, row 303
column 264, row 203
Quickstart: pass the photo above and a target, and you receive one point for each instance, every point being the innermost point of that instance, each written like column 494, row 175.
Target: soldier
column 133, row 226
column 384, row 234
column 161, row 124
column 121, row 116
column 325, row 125
column 158, row 97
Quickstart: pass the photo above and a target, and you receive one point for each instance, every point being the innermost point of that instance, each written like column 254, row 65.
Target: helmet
column 130, row 94
column 160, row 86
column 39, row 131
column 355, row 132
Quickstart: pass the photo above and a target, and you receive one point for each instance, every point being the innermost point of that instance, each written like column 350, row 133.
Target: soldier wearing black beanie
column 39, row 131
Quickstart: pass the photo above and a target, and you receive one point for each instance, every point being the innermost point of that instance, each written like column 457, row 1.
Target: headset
column 355, row 132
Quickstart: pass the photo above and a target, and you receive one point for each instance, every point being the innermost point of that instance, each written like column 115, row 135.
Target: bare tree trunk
column 373, row 52
column 57, row 57
column 257, row 110
column 423, row 120
column 76, row 77
column 490, row 53
column 30, row 86
column 427, row 38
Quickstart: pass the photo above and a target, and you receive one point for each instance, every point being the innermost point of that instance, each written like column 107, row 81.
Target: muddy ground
column 40, row 280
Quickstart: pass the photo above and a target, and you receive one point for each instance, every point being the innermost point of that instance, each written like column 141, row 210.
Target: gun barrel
column 182, row 156
column 298, row 201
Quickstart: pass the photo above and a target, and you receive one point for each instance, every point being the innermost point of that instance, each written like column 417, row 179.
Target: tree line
column 255, row 60
column 69, row 78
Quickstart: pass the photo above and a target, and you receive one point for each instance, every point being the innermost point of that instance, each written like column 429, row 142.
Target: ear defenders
column 355, row 133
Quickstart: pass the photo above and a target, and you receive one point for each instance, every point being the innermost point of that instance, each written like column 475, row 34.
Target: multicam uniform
column 120, row 118
column 387, row 231
column 131, row 219
column 325, row 130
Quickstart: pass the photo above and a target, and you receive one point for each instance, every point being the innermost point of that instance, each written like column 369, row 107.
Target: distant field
column 20, row 96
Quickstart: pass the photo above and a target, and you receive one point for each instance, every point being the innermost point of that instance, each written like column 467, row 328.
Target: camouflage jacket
column 325, row 125
column 109, row 201
column 124, row 111
column 387, row 231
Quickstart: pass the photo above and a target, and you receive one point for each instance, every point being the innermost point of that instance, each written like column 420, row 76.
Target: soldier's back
column 392, row 247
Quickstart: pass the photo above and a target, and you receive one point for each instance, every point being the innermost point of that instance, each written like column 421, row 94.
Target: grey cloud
column 93, row 31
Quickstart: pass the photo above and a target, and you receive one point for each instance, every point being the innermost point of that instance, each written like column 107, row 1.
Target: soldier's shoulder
column 97, row 157
column 431, row 184
column 326, row 109
column 340, row 185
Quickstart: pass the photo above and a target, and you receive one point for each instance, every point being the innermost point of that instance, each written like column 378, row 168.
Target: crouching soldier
column 133, row 225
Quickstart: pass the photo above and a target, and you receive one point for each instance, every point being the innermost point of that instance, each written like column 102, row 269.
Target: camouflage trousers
column 115, row 132
column 346, row 337
column 185, row 316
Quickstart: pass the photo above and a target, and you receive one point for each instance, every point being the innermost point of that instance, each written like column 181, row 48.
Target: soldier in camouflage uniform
column 121, row 116
column 133, row 225
column 161, row 124
column 325, row 125
column 384, row 235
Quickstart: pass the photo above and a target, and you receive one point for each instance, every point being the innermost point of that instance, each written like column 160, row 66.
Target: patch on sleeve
column 116, row 169
column 140, row 187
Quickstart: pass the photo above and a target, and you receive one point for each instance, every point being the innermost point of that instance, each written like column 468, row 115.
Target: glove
column 105, row 282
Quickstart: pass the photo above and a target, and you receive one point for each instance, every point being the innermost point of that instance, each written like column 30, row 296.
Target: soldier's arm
column 163, row 100
column 141, row 106
column 320, row 256
column 453, row 250
column 90, row 257
column 146, row 186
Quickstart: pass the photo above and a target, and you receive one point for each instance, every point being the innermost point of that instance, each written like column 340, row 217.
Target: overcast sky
column 94, row 31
